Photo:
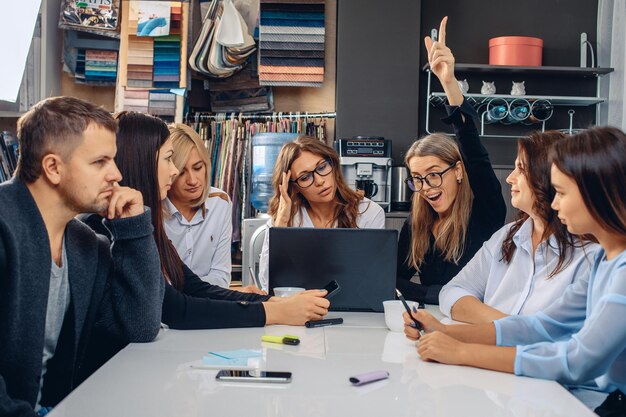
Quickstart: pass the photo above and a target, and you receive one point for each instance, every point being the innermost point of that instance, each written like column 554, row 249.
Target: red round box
column 515, row 50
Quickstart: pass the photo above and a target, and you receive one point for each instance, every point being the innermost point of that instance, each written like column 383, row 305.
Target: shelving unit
column 556, row 100
column 547, row 70
column 479, row 101
column 122, row 73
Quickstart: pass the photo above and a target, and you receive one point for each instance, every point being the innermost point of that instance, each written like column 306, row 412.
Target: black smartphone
column 332, row 287
column 253, row 376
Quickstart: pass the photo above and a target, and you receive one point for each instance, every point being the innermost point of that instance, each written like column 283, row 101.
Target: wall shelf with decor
column 581, row 93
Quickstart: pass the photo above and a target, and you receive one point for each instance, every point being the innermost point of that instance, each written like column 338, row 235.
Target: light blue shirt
column 204, row 242
column 521, row 286
column 580, row 337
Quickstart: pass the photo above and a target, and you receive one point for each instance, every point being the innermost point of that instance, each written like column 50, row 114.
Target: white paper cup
column 393, row 314
column 287, row 291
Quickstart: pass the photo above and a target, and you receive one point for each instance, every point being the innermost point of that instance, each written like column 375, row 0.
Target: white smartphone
column 228, row 375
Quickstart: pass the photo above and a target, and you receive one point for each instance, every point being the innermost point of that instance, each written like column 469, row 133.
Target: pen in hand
column 417, row 324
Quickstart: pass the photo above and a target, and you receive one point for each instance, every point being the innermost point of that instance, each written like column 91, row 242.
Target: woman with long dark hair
column 526, row 264
column 144, row 157
column 457, row 201
column 581, row 337
column 310, row 191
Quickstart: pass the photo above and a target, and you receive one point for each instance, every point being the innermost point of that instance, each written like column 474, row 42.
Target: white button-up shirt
column 521, row 286
column 204, row 242
column 371, row 216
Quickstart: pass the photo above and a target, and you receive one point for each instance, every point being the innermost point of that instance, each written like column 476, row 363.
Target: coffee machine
column 366, row 165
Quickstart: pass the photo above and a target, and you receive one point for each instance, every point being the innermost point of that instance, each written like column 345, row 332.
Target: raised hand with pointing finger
column 441, row 62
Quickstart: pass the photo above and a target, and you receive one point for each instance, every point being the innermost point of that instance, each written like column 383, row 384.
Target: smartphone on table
column 332, row 287
column 227, row 375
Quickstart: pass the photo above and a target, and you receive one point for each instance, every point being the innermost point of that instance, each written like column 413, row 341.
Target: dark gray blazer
column 116, row 288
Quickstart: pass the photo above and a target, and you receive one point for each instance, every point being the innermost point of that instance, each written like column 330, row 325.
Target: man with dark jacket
column 59, row 281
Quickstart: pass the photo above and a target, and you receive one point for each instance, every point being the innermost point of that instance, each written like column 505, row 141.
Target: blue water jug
column 265, row 149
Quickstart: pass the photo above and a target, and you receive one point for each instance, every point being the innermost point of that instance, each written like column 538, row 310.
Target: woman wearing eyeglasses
column 457, row 200
column 310, row 191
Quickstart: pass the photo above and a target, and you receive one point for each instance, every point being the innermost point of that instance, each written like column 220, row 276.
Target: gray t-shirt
column 58, row 303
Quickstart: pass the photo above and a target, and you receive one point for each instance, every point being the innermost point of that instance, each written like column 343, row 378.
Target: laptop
column 363, row 261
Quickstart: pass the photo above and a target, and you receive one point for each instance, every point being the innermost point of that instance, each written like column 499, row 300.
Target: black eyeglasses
column 322, row 169
column 433, row 179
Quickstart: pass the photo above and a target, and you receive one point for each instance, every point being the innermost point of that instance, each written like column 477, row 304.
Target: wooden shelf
column 564, row 71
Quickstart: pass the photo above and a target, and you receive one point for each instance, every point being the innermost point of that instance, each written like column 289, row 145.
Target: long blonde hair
column 347, row 200
column 184, row 140
column 452, row 230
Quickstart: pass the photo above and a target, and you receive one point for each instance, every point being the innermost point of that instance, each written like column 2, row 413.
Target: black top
column 201, row 305
column 487, row 216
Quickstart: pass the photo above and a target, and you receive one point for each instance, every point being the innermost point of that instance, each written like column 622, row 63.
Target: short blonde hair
column 184, row 140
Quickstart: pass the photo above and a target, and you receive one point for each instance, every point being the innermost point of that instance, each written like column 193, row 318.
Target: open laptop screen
column 363, row 261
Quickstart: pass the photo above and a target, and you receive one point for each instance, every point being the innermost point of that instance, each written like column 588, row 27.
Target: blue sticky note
column 239, row 353
column 237, row 357
column 211, row 360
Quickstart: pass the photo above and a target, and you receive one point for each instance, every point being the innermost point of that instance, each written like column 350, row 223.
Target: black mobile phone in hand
column 227, row 375
column 332, row 287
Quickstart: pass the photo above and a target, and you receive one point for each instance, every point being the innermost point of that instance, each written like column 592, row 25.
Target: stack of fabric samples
column 291, row 36
column 89, row 58
column 167, row 61
column 100, row 66
column 176, row 18
column 167, row 52
column 136, row 100
column 240, row 93
column 153, row 66
column 140, row 61
column 162, row 103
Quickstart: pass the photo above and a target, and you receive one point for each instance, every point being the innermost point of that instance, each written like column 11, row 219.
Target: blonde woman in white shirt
column 198, row 217
column 527, row 264
column 310, row 191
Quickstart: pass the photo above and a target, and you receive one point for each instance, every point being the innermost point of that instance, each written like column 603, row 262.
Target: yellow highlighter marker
column 284, row 339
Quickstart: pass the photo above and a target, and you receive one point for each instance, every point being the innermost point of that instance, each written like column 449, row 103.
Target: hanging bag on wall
column 224, row 43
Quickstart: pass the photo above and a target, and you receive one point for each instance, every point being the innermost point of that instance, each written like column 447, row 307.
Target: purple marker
column 363, row 379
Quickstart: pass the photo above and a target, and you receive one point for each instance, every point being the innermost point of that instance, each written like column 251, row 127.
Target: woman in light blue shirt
column 527, row 264
column 581, row 337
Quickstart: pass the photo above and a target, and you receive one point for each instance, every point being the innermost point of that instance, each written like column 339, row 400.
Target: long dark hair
column 139, row 138
column 347, row 200
column 596, row 160
column 534, row 150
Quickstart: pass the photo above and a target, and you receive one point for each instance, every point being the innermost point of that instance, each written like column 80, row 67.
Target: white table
column 156, row 380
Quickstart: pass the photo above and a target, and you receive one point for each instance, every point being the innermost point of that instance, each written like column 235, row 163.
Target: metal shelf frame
column 436, row 99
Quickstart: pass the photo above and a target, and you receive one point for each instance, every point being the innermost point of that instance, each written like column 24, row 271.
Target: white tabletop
column 156, row 379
